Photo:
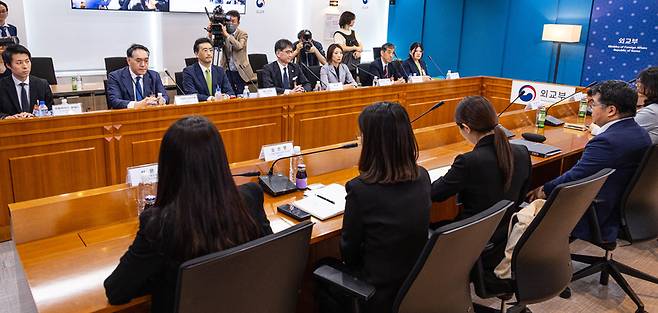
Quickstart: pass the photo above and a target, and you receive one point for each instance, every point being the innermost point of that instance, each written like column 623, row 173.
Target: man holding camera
column 307, row 50
column 234, row 56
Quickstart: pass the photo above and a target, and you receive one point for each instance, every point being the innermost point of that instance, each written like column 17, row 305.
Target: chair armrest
column 348, row 283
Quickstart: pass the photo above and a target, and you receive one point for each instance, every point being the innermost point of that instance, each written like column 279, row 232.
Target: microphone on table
column 434, row 107
column 507, row 132
column 632, row 81
column 315, row 76
column 554, row 121
column 406, row 75
column 175, row 82
column 362, row 70
column 276, row 185
column 436, row 66
column 247, row 174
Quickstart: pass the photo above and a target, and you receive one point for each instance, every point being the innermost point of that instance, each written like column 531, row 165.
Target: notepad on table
column 325, row 203
column 438, row 172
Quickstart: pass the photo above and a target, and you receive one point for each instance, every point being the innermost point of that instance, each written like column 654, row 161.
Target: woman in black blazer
column 198, row 210
column 493, row 171
column 414, row 65
column 387, row 205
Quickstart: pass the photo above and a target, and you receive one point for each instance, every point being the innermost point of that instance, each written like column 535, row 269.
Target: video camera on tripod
column 218, row 19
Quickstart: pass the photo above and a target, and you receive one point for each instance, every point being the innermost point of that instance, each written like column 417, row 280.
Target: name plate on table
column 135, row 174
column 334, row 86
column 186, row 99
column 452, row 75
column 67, row 109
column 266, row 92
column 275, row 151
column 418, row 79
column 385, row 82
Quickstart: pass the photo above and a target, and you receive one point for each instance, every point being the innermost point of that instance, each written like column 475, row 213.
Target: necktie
column 208, row 81
column 4, row 31
column 138, row 89
column 286, row 79
column 25, row 102
column 386, row 71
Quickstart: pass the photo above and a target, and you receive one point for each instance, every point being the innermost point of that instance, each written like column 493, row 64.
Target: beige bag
column 515, row 230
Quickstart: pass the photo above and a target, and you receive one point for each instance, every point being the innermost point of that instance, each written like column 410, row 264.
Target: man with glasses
column 135, row 86
column 6, row 30
column 620, row 145
column 283, row 75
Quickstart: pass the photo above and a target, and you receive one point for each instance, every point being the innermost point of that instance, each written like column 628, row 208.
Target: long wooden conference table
column 55, row 155
column 69, row 243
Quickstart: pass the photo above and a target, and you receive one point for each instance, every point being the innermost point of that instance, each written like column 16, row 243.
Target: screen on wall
column 622, row 40
column 160, row 5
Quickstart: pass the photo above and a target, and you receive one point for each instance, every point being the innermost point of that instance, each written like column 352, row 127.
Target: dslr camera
column 306, row 38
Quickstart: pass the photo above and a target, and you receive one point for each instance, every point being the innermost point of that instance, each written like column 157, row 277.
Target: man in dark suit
column 384, row 67
column 283, row 75
column 135, row 86
column 20, row 91
column 204, row 78
column 6, row 30
column 620, row 145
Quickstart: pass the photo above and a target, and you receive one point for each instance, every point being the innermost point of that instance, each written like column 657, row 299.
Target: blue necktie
column 138, row 89
column 286, row 80
column 4, row 31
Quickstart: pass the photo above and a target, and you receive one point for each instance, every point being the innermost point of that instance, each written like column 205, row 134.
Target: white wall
column 79, row 40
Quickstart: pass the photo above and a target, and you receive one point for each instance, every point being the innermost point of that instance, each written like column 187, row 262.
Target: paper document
column 438, row 172
column 324, row 203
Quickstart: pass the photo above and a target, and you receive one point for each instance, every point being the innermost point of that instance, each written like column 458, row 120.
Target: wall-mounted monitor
column 189, row 6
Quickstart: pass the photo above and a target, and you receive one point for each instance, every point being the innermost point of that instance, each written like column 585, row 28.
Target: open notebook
column 324, row 203
column 438, row 172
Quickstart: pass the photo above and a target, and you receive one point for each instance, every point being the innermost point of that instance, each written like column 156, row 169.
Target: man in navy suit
column 135, row 86
column 204, row 78
column 6, row 30
column 620, row 145
column 283, row 75
column 20, row 91
column 384, row 67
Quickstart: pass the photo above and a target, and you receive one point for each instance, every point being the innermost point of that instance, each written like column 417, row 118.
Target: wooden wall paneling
column 497, row 90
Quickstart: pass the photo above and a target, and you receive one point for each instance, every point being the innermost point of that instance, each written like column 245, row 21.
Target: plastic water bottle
column 35, row 110
column 78, row 79
column 146, row 189
column 448, row 74
column 245, row 92
column 43, row 109
column 74, row 83
column 294, row 161
column 317, row 86
column 541, row 116
column 301, row 177
column 218, row 94
column 375, row 81
column 64, row 101
column 582, row 109
column 161, row 99
column 149, row 202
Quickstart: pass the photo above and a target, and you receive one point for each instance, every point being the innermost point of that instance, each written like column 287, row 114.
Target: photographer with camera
column 234, row 56
column 307, row 50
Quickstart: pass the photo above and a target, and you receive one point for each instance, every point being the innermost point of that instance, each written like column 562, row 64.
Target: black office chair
column 259, row 78
column 364, row 78
column 439, row 282
column 541, row 268
column 376, row 52
column 190, row 61
column 639, row 222
column 114, row 63
column 257, row 61
column 179, row 81
column 312, row 74
column 263, row 275
column 43, row 67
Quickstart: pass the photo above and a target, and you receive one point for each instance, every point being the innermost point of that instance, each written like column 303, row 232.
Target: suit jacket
column 120, row 89
column 9, row 103
column 377, row 68
column 194, row 81
column 237, row 44
column 272, row 77
column 328, row 74
column 12, row 31
column 647, row 118
column 384, row 231
column 620, row 147
column 410, row 67
column 148, row 268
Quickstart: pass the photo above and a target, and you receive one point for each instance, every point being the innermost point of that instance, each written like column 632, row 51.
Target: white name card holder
column 136, row 173
column 275, row 151
column 266, row 92
column 417, row 79
column 385, row 82
column 334, row 86
column 453, row 75
column 186, row 99
column 67, row 109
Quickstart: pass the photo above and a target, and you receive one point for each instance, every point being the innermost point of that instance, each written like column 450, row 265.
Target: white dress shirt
column 18, row 90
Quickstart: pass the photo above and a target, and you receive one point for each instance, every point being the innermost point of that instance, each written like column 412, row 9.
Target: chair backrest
column 639, row 205
column 179, row 81
column 364, row 78
column 257, row 61
column 314, row 70
column 259, row 77
column 263, row 275
column 190, row 61
column 541, row 261
column 43, row 67
column 114, row 63
column 439, row 282
column 376, row 52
